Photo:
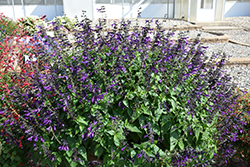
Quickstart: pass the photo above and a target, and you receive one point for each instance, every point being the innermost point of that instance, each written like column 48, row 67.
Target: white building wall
column 74, row 8
column 114, row 11
column 233, row 9
column 32, row 10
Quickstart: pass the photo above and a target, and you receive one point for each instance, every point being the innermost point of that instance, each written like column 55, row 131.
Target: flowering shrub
column 123, row 98
column 13, row 74
column 30, row 24
column 243, row 144
column 67, row 22
column 7, row 27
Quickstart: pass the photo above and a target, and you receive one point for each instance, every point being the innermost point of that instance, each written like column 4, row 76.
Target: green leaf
column 98, row 151
column 69, row 153
column 173, row 103
column 82, row 151
column 197, row 132
column 156, row 128
column 125, row 102
column 130, row 96
column 81, row 128
column 118, row 138
column 59, row 159
column 156, row 149
column 181, row 144
column 137, row 113
column 81, row 120
column 164, row 120
column 158, row 113
column 132, row 153
column 166, row 128
column 133, row 128
column 174, row 136
column 146, row 110
column 111, row 132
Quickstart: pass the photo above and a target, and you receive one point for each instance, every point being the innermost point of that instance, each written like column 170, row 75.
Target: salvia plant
column 8, row 27
column 242, row 146
column 30, row 24
column 68, row 23
column 14, row 48
column 122, row 98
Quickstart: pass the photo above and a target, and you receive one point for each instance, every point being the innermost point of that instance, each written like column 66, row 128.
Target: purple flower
column 41, row 139
column 144, row 126
column 123, row 148
column 112, row 118
column 65, row 148
column 83, row 135
column 139, row 156
column 91, row 134
column 48, row 129
column 30, row 138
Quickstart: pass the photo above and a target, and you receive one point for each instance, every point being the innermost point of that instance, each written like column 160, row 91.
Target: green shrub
column 8, row 27
column 30, row 24
column 123, row 98
column 242, row 146
column 68, row 23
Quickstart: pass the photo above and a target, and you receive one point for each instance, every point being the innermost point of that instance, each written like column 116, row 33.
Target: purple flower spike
column 30, row 138
column 83, row 136
column 139, row 156
column 123, row 148
column 41, row 139
column 112, row 118
column 144, row 126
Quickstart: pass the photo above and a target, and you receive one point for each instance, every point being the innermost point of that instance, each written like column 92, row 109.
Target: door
column 206, row 10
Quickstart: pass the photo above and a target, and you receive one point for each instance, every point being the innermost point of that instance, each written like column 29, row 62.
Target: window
column 133, row 1
column 115, row 1
column 33, row 2
column 5, row 2
column 59, row 2
column 206, row 4
column 238, row 0
column 17, row 2
column 104, row 1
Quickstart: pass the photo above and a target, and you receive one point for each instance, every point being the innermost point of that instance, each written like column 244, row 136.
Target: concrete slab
column 212, row 23
column 219, row 28
column 216, row 39
column 239, row 61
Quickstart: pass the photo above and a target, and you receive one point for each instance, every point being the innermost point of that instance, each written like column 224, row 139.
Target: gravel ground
column 239, row 74
column 194, row 33
column 243, row 22
column 238, row 35
column 233, row 50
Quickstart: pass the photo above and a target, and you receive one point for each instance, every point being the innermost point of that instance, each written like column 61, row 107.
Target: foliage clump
column 31, row 24
column 124, row 98
column 242, row 146
column 8, row 27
